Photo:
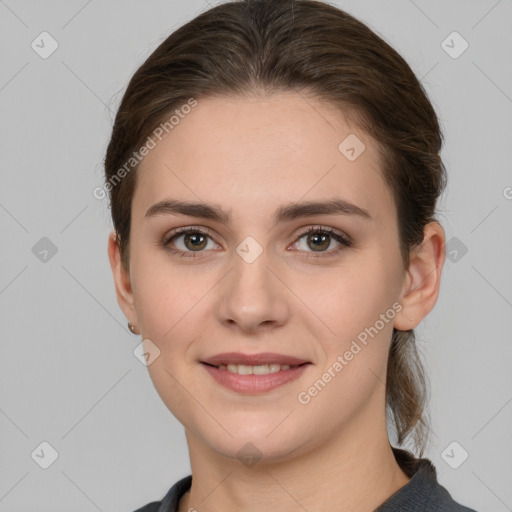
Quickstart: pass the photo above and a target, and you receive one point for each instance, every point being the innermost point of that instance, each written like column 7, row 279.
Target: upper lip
column 253, row 359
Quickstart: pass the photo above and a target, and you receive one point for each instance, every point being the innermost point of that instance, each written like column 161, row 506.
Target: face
column 253, row 280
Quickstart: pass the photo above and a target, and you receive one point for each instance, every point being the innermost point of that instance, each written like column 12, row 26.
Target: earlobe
column 423, row 278
column 121, row 279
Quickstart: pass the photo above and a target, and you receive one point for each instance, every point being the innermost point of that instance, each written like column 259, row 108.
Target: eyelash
column 345, row 242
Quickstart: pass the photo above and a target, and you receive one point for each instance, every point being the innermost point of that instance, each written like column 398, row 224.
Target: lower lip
column 254, row 384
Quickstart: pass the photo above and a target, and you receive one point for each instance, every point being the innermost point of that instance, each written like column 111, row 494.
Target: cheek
column 170, row 303
column 356, row 345
column 167, row 305
column 351, row 298
column 162, row 295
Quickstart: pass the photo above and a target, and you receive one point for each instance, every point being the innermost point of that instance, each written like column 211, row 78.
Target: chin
column 257, row 446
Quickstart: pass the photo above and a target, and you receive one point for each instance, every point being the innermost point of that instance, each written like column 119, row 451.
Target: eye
column 193, row 240
column 320, row 239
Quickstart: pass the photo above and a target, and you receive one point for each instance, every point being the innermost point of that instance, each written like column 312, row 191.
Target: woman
column 273, row 174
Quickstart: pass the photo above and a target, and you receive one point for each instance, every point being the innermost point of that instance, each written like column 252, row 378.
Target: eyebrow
column 284, row 213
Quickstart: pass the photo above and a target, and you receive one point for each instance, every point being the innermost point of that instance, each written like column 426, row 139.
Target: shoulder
column 170, row 501
column 441, row 500
column 423, row 492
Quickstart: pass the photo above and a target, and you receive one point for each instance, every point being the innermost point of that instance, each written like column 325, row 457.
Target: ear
column 423, row 278
column 121, row 280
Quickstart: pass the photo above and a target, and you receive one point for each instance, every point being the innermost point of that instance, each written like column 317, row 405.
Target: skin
column 251, row 156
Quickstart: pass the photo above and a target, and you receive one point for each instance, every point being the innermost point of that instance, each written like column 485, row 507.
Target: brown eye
column 195, row 241
column 319, row 241
column 187, row 241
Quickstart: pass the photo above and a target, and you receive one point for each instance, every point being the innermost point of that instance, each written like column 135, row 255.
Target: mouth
column 254, row 374
column 260, row 369
column 261, row 359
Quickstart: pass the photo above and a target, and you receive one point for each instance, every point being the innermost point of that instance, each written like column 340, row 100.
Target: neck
column 354, row 470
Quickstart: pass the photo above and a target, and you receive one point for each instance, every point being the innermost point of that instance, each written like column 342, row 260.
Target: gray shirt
column 422, row 493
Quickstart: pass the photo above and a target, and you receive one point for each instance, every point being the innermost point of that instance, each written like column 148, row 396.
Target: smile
column 254, row 379
column 261, row 369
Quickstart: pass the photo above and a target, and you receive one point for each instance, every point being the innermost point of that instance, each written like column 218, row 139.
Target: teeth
column 261, row 369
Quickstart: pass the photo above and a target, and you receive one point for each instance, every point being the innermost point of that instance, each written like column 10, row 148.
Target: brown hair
column 266, row 46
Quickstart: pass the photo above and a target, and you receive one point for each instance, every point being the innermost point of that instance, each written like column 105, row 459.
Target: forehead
column 257, row 151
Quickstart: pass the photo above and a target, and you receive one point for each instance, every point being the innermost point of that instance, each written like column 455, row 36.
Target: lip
column 254, row 359
column 254, row 384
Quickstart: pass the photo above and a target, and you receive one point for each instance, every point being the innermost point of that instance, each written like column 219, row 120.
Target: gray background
column 68, row 375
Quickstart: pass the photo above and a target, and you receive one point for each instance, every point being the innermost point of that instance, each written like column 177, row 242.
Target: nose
column 252, row 297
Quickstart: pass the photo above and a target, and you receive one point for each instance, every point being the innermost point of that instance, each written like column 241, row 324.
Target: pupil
column 323, row 237
column 192, row 237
